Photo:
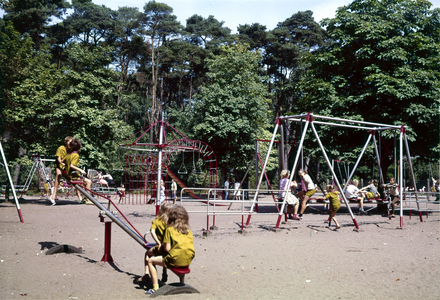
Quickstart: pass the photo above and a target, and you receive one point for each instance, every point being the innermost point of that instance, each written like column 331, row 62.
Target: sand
column 303, row 260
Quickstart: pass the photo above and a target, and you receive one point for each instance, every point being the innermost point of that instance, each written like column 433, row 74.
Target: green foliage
column 382, row 66
column 231, row 109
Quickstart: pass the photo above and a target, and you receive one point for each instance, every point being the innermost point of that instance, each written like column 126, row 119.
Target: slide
column 182, row 185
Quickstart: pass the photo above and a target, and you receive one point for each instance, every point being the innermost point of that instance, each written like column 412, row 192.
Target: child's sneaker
column 150, row 291
column 296, row 217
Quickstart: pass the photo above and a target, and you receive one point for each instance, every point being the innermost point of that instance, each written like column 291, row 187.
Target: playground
column 304, row 260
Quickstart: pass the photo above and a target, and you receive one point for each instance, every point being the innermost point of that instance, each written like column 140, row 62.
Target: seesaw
column 169, row 289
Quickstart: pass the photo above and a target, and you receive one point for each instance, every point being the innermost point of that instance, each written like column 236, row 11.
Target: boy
column 60, row 166
column 72, row 160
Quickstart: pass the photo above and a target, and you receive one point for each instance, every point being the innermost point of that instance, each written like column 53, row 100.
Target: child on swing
column 61, row 153
column 157, row 230
column 335, row 204
column 177, row 245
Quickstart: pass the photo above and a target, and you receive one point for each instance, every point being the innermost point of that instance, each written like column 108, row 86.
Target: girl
column 177, row 244
column 335, row 204
column 157, row 232
column 162, row 192
column 284, row 184
column 308, row 189
column 371, row 190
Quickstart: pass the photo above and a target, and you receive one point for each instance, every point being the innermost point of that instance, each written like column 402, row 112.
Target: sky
column 240, row 12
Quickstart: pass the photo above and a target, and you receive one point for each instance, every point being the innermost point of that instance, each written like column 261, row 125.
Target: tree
column 159, row 23
column 33, row 16
column 383, row 66
column 286, row 46
column 232, row 107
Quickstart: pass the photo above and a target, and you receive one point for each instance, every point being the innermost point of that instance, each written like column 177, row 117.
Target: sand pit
column 304, row 260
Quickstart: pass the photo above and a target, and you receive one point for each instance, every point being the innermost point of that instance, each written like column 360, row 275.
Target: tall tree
column 159, row 23
column 286, row 45
column 33, row 16
column 383, row 66
column 232, row 107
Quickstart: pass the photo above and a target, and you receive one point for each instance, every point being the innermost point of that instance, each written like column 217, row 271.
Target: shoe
column 290, row 217
column 296, row 217
column 146, row 277
column 164, row 278
column 393, row 216
column 88, row 202
column 362, row 212
column 150, row 291
column 300, row 215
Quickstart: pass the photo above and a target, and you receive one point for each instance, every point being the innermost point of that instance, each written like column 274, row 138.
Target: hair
column 330, row 187
column 164, row 211
column 374, row 182
column 75, row 145
column 392, row 178
column 179, row 219
column 284, row 173
column 68, row 139
column 355, row 182
column 304, row 171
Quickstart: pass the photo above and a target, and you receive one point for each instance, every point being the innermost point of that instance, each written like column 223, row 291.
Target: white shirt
column 351, row 191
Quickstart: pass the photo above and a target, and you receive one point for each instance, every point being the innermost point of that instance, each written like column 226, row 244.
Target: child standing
column 177, row 244
column 394, row 193
column 174, row 190
column 60, row 166
column 308, row 189
column 285, row 192
column 335, row 204
column 72, row 160
column 157, row 233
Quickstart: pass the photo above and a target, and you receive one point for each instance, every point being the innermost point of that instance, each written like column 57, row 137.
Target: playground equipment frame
column 309, row 120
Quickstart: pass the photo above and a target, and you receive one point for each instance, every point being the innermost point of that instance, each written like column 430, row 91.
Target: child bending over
column 157, row 233
column 177, row 245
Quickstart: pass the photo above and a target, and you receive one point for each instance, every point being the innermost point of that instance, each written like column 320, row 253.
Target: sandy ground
column 304, row 260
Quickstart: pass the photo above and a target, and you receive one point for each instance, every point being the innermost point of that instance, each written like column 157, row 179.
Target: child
column 394, row 193
column 174, row 190
column 72, row 160
column 308, row 190
column 59, row 165
column 177, row 244
column 157, row 232
column 284, row 184
column 121, row 192
column 162, row 193
column 354, row 193
column 371, row 190
column 335, row 204
column 237, row 192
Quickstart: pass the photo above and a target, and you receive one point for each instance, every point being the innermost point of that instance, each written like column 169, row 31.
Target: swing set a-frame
column 310, row 120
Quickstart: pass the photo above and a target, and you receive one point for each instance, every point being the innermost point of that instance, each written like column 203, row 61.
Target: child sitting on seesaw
column 71, row 161
column 335, row 204
column 177, row 245
column 157, row 230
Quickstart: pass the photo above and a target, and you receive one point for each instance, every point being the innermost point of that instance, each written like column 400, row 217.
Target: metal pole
column 359, row 159
column 334, row 175
column 262, row 171
column 109, row 214
column 11, row 183
column 159, row 168
column 408, row 154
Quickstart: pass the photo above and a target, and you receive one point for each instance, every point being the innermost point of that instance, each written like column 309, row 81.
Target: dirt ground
column 303, row 260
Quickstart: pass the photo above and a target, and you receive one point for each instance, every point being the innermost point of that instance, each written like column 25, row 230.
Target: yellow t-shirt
column 182, row 248
column 159, row 228
column 61, row 152
column 72, row 159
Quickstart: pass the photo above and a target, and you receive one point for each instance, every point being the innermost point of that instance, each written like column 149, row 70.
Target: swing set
column 310, row 120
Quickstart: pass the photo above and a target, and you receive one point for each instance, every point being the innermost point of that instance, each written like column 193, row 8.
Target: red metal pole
column 107, row 243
